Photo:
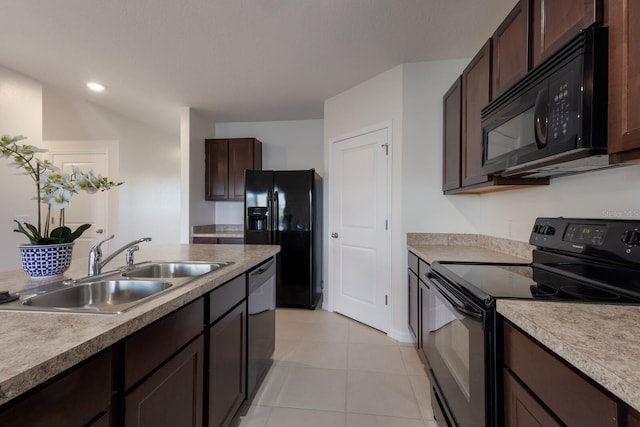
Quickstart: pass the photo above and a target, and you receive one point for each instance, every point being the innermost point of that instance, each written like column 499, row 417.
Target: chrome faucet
column 95, row 254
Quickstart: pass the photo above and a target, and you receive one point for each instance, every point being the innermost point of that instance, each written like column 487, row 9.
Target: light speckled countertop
column 35, row 347
column 602, row 341
column 467, row 247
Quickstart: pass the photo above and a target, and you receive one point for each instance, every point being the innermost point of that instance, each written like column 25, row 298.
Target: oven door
column 457, row 354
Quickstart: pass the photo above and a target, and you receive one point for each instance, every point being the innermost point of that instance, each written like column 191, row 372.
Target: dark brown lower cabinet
column 423, row 290
column 219, row 240
column 521, row 408
column 78, row 397
column 171, row 396
column 552, row 385
column 227, row 365
column 413, row 306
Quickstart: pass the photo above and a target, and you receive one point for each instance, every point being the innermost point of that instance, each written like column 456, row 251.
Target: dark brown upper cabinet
column 555, row 22
column 510, row 49
column 624, row 81
column 452, row 104
column 476, row 94
column 226, row 160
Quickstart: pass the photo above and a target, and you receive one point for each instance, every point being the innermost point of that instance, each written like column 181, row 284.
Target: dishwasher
column 261, row 324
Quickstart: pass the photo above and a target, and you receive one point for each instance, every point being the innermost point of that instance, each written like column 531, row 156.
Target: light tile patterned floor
column 331, row 371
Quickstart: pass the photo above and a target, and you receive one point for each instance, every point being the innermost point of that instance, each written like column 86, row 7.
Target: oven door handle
column 458, row 305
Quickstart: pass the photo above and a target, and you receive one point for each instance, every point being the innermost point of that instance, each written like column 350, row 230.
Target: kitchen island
column 36, row 347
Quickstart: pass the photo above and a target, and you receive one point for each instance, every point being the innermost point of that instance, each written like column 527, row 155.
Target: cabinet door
column 216, row 169
column 624, row 80
column 521, row 408
column 452, row 136
column 424, row 320
column 413, row 305
column 476, row 94
column 242, row 156
column 555, row 22
column 572, row 397
column 227, row 366
column 510, row 49
column 172, row 396
column 74, row 399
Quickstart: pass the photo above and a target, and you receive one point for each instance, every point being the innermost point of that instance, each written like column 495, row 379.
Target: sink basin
column 167, row 270
column 106, row 296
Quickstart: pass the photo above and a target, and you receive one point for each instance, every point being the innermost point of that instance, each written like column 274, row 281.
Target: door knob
column 334, row 235
column 99, row 231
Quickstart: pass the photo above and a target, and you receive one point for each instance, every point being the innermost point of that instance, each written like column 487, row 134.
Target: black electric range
column 594, row 261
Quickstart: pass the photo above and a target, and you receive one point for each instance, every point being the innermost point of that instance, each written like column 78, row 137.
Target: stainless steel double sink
column 113, row 292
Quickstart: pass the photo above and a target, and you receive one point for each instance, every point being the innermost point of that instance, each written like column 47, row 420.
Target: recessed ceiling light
column 96, row 87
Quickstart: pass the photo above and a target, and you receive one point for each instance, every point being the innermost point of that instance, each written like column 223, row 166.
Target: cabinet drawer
column 151, row 346
column 73, row 399
column 571, row 397
column 225, row 297
column 412, row 261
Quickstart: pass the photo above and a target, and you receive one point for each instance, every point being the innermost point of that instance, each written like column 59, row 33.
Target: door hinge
column 386, row 224
column 386, row 300
column 386, row 148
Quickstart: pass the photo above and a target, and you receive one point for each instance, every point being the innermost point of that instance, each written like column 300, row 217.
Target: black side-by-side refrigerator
column 285, row 208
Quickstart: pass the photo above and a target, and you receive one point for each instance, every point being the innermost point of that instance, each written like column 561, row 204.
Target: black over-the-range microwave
column 554, row 121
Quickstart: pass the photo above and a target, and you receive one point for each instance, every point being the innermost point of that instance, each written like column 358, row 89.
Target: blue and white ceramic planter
column 40, row 261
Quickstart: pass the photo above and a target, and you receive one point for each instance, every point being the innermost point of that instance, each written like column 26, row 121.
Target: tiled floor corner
column 332, row 371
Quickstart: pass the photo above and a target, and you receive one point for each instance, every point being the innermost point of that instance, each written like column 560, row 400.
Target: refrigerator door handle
column 276, row 219
column 270, row 216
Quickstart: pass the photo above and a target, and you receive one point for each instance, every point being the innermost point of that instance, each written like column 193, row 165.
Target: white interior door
column 360, row 239
column 85, row 208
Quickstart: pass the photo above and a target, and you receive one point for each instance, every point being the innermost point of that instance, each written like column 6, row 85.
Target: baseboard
column 401, row 336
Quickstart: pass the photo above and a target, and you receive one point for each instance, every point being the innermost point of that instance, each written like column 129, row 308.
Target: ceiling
column 232, row 60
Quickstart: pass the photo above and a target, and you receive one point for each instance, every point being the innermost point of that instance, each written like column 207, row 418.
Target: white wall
column 375, row 101
column 286, row 145
column 424, row 207
column 148, row 163
column 611, row 193
column 20, row 113
column 197, row 129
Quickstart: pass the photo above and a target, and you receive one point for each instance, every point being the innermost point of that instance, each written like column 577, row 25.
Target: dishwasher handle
column 262, row 274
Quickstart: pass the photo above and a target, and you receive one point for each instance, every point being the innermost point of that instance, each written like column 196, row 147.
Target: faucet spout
column 95, row 254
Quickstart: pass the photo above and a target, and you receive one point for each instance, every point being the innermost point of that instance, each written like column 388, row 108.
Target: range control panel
column 616, row 240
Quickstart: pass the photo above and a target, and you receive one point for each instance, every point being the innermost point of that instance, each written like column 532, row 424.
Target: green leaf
column 60, row 234
column 32, row 237
column 34, row 231
column 81, row 229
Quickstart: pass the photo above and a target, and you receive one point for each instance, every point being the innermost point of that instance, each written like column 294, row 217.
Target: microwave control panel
column 561, row 105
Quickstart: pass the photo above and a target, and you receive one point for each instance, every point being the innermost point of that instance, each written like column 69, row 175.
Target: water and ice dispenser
column 257, row 218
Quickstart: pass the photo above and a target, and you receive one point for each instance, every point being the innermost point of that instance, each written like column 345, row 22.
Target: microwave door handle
column 457, row 305
column 541, row 118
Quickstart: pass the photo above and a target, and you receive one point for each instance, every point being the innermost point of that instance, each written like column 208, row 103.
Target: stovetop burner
column 589, row 293
column 486, row 282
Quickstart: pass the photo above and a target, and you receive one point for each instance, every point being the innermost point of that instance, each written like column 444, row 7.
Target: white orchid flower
column 60, row 199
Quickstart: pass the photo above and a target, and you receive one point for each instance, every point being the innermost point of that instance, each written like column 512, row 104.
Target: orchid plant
column 54, row 189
